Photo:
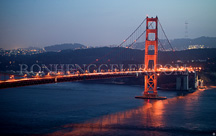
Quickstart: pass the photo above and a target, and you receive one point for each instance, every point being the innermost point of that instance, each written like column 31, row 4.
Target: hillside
column 106, row 56
column 59, row 47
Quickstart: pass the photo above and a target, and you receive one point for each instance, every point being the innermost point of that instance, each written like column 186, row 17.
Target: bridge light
column 96, row 59
column 48, row 74
column 12, row 77
column 68, row 72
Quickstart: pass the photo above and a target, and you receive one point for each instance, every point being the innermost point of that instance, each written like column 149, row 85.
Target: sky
column 40, row 23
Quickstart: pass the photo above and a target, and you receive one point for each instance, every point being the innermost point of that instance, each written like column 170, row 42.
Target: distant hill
column 59, row 47
column 139, row 45
column 183, row 44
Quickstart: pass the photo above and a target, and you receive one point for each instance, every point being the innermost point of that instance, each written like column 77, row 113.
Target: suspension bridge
column 148, row 30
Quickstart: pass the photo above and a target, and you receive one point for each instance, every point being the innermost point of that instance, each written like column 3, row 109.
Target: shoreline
column 211, row 87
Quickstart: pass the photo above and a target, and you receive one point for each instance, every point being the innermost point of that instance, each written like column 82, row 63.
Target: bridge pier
column 150, row 91
column 200, row 83
column 195, row 80
column 182, row 82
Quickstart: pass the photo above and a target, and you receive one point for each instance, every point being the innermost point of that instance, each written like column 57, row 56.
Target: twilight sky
column 41, row 23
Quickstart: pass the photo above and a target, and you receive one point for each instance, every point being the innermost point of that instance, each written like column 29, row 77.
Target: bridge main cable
column 132, row 33
column 122, row 42
column 175, row 55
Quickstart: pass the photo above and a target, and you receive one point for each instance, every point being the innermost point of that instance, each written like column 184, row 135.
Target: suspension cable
column 175, row 55
column 160, row 43
column 132, row 33
column 166, row 36
column 99, row 59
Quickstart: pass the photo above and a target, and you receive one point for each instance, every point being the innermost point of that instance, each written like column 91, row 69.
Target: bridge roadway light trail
column 190, row 69
column 87, row 76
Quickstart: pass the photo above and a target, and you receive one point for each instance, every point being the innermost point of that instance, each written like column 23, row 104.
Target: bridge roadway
column 11, row 83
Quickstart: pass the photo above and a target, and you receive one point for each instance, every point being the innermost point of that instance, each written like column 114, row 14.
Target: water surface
column 100, row 109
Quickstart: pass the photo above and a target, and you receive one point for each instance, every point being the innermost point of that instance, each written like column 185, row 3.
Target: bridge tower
column 151, row 60
column 151, row 41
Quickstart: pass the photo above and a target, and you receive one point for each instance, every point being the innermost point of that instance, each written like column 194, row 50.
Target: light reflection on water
column 182, row 115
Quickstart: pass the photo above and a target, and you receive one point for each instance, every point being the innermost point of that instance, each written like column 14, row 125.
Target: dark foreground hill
column 106, row 55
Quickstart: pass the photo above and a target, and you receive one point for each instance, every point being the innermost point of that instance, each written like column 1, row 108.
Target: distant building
column 196, row 47
column 21, row 51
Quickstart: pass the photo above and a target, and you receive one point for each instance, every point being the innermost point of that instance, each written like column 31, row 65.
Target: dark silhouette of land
column 196, row 57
